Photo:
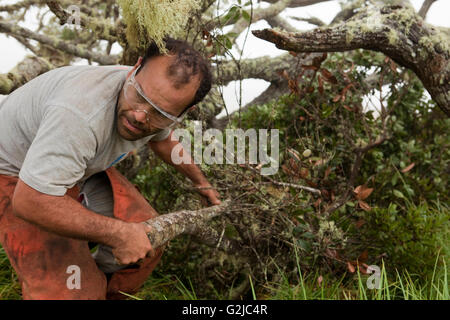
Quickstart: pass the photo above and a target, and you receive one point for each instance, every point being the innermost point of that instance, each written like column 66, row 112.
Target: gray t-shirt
column 60, row 128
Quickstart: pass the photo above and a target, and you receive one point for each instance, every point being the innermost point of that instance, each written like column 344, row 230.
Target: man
column 60, row 134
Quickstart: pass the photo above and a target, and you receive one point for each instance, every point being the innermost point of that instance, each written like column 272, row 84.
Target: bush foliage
column 383, row 177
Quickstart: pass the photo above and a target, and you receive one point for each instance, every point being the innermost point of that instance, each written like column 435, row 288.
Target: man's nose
column 140, row 116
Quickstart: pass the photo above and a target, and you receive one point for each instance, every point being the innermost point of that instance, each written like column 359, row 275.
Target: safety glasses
column 140, row 103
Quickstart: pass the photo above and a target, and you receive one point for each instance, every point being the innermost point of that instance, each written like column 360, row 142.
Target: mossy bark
column 168, row 226
column 23, row 72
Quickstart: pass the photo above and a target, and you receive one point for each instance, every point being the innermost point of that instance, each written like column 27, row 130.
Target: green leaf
column 298, row 229
column 327, row 111
column 304, row 245
column 308, row 235
column 409, row 190
column 228, row 43
column 392, row 209
column 68, row 34
column 232, row 15
column 246, row 15
column 399, row 194
column 394, row 179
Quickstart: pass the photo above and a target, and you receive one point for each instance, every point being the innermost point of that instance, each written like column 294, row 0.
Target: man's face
column 159, row 88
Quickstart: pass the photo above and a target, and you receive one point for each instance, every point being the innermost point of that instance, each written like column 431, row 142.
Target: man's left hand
column 210, row 195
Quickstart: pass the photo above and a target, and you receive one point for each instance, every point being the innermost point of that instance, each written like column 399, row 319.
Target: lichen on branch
column 396, row 30
column 149, row 20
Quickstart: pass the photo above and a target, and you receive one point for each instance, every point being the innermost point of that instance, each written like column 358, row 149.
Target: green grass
column 401, row 285
column 398, row 286
column 9, row 284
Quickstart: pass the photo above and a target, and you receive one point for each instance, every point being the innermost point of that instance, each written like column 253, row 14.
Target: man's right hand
column 133, row 243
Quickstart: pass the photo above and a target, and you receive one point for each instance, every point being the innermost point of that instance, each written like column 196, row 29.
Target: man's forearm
column 65, row 216
column 163, row 149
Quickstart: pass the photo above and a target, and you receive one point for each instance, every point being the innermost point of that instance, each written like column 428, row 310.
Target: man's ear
column 138, row 63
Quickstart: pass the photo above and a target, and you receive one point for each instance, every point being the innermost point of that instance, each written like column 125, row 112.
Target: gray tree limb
column 425, row 7
column 100, row 27
column 397, row 31
column 261, row 14
column 313, row 20
column 299, row 3
column 59, row 44
column 265, row 68
column 23, row 72
column 19, row 5
column 279, row 22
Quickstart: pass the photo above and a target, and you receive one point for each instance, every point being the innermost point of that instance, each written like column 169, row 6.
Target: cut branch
column 168, row 226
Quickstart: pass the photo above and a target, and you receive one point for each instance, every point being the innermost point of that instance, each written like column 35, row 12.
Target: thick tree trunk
column 397, row 31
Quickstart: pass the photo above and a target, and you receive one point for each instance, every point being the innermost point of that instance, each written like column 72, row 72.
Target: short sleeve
column 161, row 135
column 58, row 156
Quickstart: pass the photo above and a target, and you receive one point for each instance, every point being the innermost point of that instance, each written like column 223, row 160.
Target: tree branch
column 26, row 44
column 299, row 3
column 265, row 68
column 285, row 184
column 58, row 44
column 20, row 5
column 168, row 226
column 313, row 20
column 101, row 28
column 279, row 22
column 396, row 31
column 23, row 72
column 261, row 14
column 425, row 7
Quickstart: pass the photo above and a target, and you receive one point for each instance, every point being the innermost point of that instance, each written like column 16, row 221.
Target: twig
column 285, row 184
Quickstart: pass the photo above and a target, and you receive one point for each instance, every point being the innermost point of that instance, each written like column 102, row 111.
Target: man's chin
column 125, row 134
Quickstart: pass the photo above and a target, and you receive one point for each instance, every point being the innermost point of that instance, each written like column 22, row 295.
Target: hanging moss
column 149, row 20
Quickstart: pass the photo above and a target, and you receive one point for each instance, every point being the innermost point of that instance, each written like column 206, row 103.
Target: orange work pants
column 42, row 259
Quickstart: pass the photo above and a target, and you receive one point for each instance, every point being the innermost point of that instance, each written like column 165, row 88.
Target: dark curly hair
column 188, row 62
